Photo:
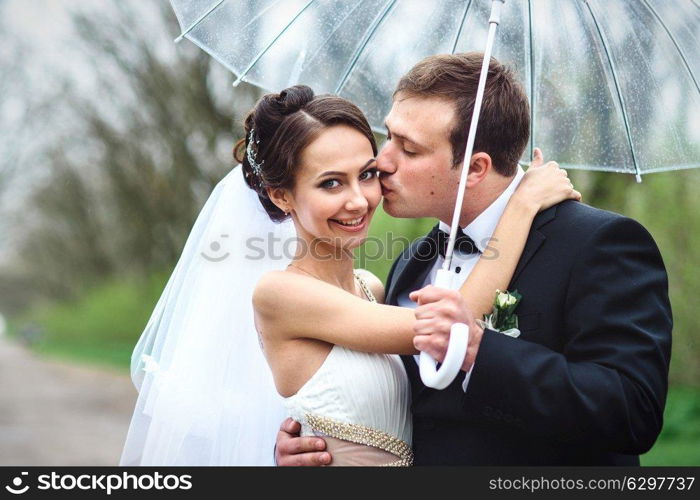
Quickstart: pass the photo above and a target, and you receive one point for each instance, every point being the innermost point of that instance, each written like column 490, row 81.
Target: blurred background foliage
column 104, row 167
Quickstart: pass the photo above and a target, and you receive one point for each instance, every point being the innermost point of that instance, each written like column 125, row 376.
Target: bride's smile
column 353, row 225
column 337, row 190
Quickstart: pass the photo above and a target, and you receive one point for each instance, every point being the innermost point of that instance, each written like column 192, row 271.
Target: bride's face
column 337, row 189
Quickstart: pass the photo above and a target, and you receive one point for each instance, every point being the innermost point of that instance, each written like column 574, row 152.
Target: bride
column 308, row 176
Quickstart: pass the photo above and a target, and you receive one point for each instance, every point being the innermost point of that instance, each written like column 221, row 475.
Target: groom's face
column 416, row 161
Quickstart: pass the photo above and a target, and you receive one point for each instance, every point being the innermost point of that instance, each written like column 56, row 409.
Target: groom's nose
column 385, row 162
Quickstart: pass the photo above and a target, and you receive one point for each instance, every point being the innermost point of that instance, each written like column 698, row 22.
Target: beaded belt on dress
column 361, row 434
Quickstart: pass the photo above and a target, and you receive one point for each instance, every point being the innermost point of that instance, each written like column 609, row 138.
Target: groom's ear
column 281, row 197
column 479, row 167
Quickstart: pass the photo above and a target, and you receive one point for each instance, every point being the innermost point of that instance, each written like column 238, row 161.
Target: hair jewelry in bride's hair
column 254, row 165
column 287, row 123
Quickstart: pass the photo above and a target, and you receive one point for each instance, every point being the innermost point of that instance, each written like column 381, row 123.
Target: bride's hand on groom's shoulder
column 438, row 309
column 291, row 450
column 545, row 185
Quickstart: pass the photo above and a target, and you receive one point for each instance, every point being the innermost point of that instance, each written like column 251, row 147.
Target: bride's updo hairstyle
column 278, row 129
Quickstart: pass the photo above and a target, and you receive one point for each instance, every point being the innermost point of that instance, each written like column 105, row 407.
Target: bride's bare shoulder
column 278, row 290
column 269, row 286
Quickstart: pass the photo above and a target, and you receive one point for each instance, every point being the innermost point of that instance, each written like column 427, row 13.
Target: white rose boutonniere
column 503, row 318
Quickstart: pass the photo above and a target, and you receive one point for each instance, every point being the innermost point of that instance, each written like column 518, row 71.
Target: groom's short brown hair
column 504, row 123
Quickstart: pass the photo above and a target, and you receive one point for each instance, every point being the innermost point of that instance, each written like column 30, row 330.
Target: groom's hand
column 292, row 450
column 438, row 309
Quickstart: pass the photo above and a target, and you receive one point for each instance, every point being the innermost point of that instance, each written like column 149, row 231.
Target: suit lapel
column 410, row 274
column 412, row 270
column 534, row 240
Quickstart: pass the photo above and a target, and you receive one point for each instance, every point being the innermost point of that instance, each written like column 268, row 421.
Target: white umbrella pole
column 459, row 334
column 494, row 20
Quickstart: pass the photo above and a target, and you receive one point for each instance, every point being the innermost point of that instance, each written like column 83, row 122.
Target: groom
column 586, row 381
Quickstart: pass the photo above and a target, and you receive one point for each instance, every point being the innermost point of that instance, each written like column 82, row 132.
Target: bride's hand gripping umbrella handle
column 456, row 351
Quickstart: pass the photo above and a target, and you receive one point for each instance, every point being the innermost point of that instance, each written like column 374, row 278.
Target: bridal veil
column 206, row 394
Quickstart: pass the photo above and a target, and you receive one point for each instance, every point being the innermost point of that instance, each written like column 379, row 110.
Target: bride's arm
column 542, row 187
column 496, row 266
column 291, row 306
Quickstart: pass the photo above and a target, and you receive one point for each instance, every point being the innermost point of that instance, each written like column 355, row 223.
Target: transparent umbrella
column 614, row 85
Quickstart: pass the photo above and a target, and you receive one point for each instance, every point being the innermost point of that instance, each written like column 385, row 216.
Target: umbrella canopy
column 614, row 85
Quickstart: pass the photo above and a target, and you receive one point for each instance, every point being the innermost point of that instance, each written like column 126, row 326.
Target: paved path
column 56, row 413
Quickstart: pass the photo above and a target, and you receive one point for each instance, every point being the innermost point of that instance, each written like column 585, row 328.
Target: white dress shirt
column 480, row 230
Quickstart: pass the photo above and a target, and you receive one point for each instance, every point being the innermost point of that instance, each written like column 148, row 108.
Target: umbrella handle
column 456, row 350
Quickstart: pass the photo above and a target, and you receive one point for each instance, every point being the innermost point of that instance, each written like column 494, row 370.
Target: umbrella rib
column 532, row 81
column 671, row 168
column 606, row 168
column 675, row 43
column 260, row 54
column 620, row 99
column 199, row 20
column 337, row 27
column 261, row 14
column 461, row 26
column 363, row 43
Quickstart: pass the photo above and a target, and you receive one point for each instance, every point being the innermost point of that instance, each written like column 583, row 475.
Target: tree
column 137, row 143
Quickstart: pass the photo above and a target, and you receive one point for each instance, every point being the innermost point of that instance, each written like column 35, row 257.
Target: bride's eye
column 329, row 184
column 368, row 174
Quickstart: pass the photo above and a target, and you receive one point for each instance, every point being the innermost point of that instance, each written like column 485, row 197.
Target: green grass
column 679, row 442
column 388, row 237
column 101, row 327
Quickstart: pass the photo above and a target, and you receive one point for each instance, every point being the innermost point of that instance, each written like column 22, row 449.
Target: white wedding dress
column 206, row 393
column 360, row 403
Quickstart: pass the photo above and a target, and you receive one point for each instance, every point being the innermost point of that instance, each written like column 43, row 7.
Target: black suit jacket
column 586, row 381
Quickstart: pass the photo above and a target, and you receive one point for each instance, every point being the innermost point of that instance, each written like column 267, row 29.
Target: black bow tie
column 463, row 244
